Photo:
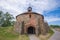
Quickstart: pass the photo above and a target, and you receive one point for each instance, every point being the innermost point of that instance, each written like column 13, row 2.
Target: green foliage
column 55, row 26
column 6, row 19
column 51, row 31
column 1, row 18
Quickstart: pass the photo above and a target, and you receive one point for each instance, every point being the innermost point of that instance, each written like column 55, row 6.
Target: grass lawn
column 6, row 33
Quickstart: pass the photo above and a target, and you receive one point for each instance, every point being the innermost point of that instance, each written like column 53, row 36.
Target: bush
column 55, row 26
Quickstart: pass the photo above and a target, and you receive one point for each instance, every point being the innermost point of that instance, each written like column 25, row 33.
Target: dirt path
column 55, row 36
column 33, row 37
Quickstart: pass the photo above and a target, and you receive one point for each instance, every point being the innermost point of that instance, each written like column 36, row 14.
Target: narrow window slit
column 30, row 16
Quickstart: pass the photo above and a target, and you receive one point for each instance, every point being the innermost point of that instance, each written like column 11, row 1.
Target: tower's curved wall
column 25, row 20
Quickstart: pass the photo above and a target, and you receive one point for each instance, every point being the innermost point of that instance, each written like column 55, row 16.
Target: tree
column 55, row 26
column 1, row 18
column 7, row 19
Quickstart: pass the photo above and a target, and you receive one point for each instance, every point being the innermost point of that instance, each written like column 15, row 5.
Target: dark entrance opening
column 31, row 30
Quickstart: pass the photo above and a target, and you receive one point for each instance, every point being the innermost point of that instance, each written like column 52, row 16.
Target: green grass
column 7, row 33
column 23, row 37
column 51, row 32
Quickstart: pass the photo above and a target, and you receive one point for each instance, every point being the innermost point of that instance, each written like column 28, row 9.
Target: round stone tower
column 30, row 23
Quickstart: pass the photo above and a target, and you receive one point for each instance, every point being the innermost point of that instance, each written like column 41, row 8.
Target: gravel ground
column 33, row 37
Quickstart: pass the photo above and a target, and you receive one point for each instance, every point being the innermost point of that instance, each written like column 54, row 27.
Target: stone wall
column 36, row 21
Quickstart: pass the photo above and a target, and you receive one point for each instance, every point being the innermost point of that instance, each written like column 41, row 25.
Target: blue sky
column 49, row 8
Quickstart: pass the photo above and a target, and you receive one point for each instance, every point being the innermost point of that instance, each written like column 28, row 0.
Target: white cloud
column 52, row 19
column 21, row 5
column 16, row 7
column 44, row 5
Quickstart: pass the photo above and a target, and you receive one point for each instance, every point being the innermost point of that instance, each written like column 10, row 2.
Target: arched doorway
column 31, row 30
